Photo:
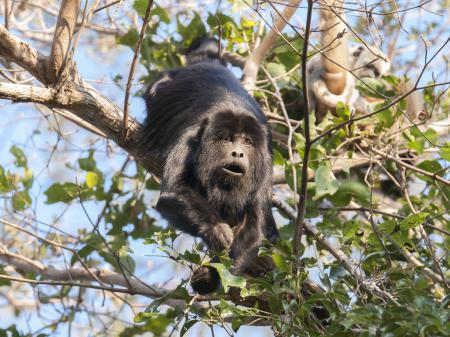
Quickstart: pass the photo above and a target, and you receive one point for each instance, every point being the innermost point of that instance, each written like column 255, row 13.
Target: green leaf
column 414, row 220
column 191, row 257
column 21, row 200
column 161, row 13
column 128, row 263
column 400, row 237
column 280, row 262
column 373, row 87
column 237, row 322
column 61, row 193
column 132, row 331
column 154, row 322
column 289, row 174
column 349, row 190
column 193, row 30
column 27, row 178
column 152, row 184
column 386, row 118
column 88, row 164
column 91, row 179
column 228, row 279
column 444, row 152
column 343, row 111
column 349, row 229
column 186, row 326
column 140, row 6
column 278, row 158
column 19, row 155
column 326, row 184
column 431, row 166
column 179, row 293
column 278, row 71
column 129, row 39
column 6, row 184
column 2, row 281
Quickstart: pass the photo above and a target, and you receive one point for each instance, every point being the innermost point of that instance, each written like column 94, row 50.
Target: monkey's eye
column 248, row 142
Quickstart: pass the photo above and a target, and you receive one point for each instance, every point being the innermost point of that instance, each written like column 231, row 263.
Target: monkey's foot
column 205, row 280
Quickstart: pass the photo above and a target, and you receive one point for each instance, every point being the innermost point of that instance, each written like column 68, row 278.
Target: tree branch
column 334, row 39
column 56, row 276
column 79, row 99
column 338, row 254
column 400, row 162
column 300, row 220
column 253, row 62
column 133, row 65
column 14, row 50
column 64, row 29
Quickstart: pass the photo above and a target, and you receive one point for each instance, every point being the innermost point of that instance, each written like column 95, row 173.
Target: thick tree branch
column 14, row 50
column 90, row 106
column 113, row 279
column 79, row 99
column 253, row 62
column 64, row 29
column 334, row 40
column 26, row 93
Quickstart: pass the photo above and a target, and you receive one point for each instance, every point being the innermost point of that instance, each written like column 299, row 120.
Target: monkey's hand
column 259, row 266
column 205, row 280
column 218, row 237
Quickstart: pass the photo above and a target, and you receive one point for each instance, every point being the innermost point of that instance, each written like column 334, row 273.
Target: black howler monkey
column 215, row 145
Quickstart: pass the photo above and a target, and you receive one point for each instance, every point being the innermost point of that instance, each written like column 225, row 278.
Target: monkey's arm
column 191, row 213
column 249, row 237
column 184, row 207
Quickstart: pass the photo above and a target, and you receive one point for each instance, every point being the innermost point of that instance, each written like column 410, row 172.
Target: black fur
column 214, row 142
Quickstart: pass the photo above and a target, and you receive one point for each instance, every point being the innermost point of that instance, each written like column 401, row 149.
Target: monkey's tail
column 204, row 49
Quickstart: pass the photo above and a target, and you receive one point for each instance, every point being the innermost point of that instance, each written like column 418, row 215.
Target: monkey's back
column 180, row 100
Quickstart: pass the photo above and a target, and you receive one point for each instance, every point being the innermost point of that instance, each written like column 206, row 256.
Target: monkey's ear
column 202, row 128
column 163, row 80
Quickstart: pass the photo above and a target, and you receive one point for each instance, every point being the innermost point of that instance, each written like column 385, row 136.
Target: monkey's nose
column 237, row 154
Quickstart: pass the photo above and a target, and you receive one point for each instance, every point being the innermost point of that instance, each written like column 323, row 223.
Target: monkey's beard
column 228, row 193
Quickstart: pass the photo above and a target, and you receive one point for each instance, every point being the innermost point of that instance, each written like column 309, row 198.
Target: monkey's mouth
column 235, row 170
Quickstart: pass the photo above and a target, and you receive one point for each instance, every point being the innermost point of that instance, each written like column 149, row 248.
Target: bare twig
column 107, row 5
column 133, row 66
column 411, row 167
column 300, row 220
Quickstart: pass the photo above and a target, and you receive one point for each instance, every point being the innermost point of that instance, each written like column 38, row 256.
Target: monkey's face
column 235, row 153
column 230, row 153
